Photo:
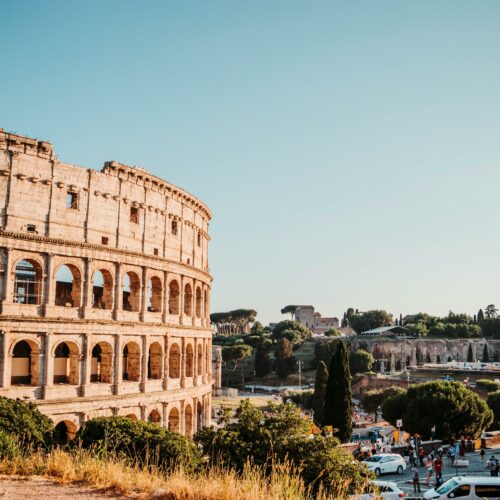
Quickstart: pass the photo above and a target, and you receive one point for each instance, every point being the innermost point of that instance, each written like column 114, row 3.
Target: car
column 466, row 488
column 386, row 490
column 386, row 463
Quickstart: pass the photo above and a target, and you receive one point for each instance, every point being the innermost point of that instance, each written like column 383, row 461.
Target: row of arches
column 28, row 289
column 26, row 369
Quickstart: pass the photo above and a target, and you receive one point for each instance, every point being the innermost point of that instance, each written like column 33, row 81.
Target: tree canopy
column 361, row 322
column 233, row 322
column 292, row 331
column 360, row 361
column 374, row 399
column 289, row 310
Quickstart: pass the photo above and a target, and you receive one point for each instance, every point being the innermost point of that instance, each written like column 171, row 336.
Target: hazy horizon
column 349, row 151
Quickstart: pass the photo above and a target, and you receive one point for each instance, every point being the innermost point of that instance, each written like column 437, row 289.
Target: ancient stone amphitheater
column 105, row 291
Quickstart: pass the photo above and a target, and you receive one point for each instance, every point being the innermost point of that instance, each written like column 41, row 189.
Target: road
column 476, row 468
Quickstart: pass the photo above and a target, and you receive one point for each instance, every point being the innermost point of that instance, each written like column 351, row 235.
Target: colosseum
column 105, row 291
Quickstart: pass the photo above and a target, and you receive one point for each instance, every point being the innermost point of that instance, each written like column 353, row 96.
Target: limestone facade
column 105, row 291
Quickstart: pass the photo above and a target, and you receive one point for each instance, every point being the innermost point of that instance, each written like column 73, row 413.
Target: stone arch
column 28, row 281
column 25, row 368
column 189, row 361
column 198, row 302
column 199, row 360
column 155, row 294
column 66, row 363
column 174, row 361
column 188, row 300
column 101, row 366
column 188, row 420
column 131, row 362
column 102, row 291
column 131, row 293
column 155, row 361
column 68, row 279
column 65, row 431
column 154, row 416
column 173, row 420
column 173, row 297
column 132, row 416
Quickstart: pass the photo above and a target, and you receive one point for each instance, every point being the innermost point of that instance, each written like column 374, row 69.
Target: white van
column 467, row 488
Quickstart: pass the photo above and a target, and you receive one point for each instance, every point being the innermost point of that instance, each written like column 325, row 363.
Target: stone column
column 118, row 296
column 8, row 277
column 205, row 368
column 50, row 288
column 195, row 361
column 144, row 293
column 183, row 362
column 164, row 316
column 165, row 415
column 181, row 302
column 118, row 365
column 87, row 287
column 165, row 364
column 87, row 363
column 182, row 418
column 48, row 375
column 6, row 359
column 144, row 364
column 143, row 411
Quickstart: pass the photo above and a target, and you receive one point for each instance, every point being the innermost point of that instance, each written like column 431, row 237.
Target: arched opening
column 173, row 297
column 199, row 416
column 101, row 366
column 102, row 297
column 131, row 292
column 132, row 416
column 155, row 361
column 154, row 417
column 66, row 364
column 174, row 362
column 198, row 303
column 188, row 420
column 173, row 420
column 189, row 361
column 68, row 286
column 25, row 369
column 131, row 362
column 188, row 300
column 200, row 361
column 154, row 294
column 28, row 282
column 65, row 431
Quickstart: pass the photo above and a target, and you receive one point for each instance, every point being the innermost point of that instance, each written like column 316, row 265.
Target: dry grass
column 81, row 466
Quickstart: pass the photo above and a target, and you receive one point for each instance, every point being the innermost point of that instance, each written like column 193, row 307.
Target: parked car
column 386, row 490
column 466, row 488
column 386, row 463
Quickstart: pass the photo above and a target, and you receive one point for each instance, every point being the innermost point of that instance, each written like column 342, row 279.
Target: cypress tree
column 262, row 361
column 480, row 316
column 338, row 400
column 486, row 354
column 470, row 354
column 285, row 361
column 320, row 383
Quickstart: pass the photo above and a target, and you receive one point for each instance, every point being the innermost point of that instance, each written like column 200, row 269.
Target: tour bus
column 467, row 488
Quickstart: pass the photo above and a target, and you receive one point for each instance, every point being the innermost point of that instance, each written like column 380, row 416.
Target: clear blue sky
column 350, row 151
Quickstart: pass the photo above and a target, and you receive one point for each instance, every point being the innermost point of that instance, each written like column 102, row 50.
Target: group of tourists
column 433, row 464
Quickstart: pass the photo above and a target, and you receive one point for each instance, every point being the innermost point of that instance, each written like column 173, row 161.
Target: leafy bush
column 24, row 421
column 139, row 442
column 488, row 385
column 8, row 446
column 303, row 399
column 493, row 401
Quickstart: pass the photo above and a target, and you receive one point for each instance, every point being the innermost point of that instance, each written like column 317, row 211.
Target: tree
column 401, row 320
column 360, row 361
column 361, row 322
column 338, row 400
column 332, row 332
column 470, row 354
column 233, row 322
column 491, row 311
column 373, row 400
column 236, row 353
column 449, row 406
column 291, row 330
column 320, row 384
column 480, row 316
column 486, row 356
column 493, row 401
column 289, row 310
column 262, row 362
column 285, row 361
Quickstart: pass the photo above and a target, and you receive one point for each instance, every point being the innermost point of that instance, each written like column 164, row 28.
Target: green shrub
column 24, row 421
column 304, row 399
column 139, row 442
column 488, row 385
column 8, row 446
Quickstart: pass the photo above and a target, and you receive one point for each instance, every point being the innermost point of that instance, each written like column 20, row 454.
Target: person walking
column 421, row 455
column 481, row 453
column 438, row 468
column 429, row 471
column 494, row 466
column 416, row 480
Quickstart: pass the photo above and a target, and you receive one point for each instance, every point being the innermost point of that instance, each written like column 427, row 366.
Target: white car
column 387, row 490
column 386, row 463
column 467, row 488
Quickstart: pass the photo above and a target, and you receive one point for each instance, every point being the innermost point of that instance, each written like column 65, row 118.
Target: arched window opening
column 198, row 303
column 25, row 369
column 174, row 362
column 173, row 297
column 131, row 416
column 66, row 364
column 188, row 420
column 131, row 292
column 173, row 420
column 131, row 362
column 102, row 363
column 102, row 297
column 68, row 286
column 200, row 360
column 189, row 361
column 65, row 431
column 154, row 417
column 188, row 300
column 155, row 361
column 28, row 282
column 154, row 295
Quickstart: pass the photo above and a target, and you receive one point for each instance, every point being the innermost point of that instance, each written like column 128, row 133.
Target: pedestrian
column 494, row 466
column 429, row 472
column 438, row 468
column 481, row 453
column 421, row 455
column 453, row 454
column 416, row 480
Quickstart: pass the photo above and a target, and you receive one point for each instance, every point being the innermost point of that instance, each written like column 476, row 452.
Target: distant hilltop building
column 306, row 316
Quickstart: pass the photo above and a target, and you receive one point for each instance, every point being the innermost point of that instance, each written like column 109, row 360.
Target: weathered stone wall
column 149, row 241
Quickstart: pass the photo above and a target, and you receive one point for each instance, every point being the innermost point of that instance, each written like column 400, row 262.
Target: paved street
column 476, row 468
